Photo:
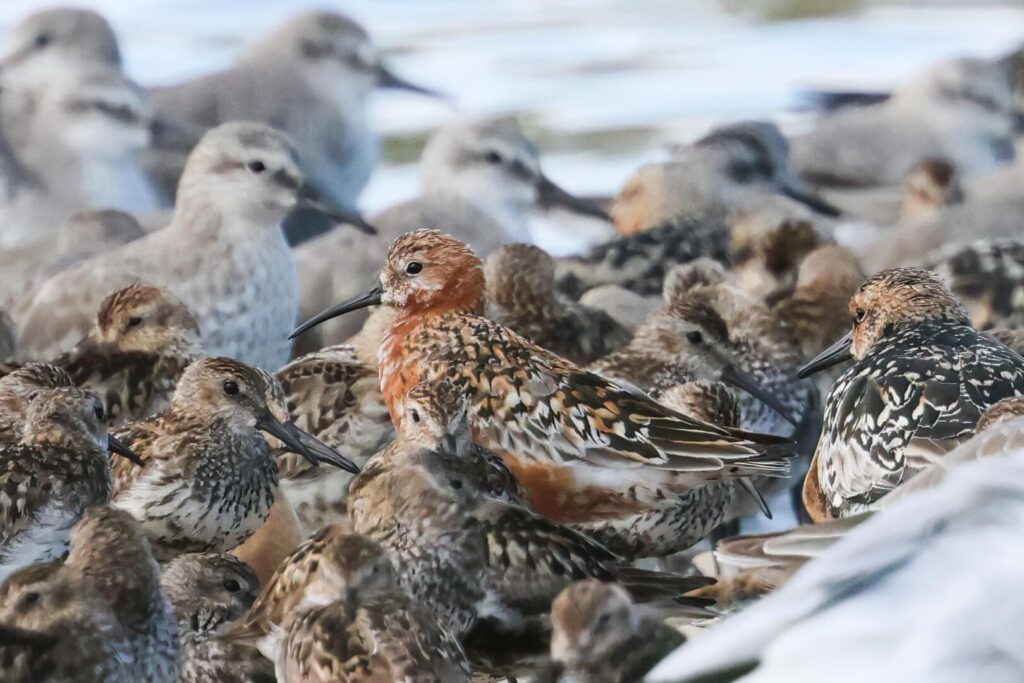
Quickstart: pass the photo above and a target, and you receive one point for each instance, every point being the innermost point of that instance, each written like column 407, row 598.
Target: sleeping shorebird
column 468, row 553
column 310, row 78
column 97, row 616
column 921, row 378
column 521, row 295
column 579, row 444
column 987, row 276
column 223, row 254
column 207, row 592
column 333, row 611
column 57, row 468
column 209, row 441
column 600, row 636
column 17, row 390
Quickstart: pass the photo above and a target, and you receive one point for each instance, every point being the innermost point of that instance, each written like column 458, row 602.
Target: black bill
column 118, row 447
column 812, row 202
column 311, row 200
column 838, row 353
column 741, row 380
column 371, row 298
column 550, row 196
column 323, row 452
column 387, row 79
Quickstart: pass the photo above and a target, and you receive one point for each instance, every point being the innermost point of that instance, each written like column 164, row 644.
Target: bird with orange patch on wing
column 582, row 446
column 921, row 379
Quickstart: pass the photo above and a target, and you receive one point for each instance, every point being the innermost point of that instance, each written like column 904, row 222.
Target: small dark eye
column 413, row 267
column 859, row 314
column 457, row 484
column 134, row 321
column 695, row 337
column 257, row 166
column 232, row 586
column 27, row 601
column 492, row 157
column 42, row 40
column 415, row 415
column 602, row 621
column 99, row 412
column 230, row 387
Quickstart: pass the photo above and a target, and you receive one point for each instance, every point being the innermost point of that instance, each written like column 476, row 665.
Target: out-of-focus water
column 603, row 85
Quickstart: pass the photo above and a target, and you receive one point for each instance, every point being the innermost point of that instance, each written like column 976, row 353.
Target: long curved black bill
column 371, row 298
column 311, row 200
column 838, row 353
column 736, row 377
column 322, row 451
column 387, row 79
column 812, row 202
column 550, row 195
column 116, row 446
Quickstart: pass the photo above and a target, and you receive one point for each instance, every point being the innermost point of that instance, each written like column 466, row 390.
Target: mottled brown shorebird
column 469, row 554
column 207, row 447
column 98, row 616
column 207, row 592
column 56, row 470
column 521, row 295
column 143, row 339
column 334, row 612
column 600, row 636
column 17, row 390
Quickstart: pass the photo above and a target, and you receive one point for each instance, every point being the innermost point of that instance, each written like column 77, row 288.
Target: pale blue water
column 671, row 68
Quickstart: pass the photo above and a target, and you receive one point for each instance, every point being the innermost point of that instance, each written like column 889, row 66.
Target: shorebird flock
column 771, row 429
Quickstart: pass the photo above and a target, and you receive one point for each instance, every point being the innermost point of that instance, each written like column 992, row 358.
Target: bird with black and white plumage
column 987, row 276
column 921, row 380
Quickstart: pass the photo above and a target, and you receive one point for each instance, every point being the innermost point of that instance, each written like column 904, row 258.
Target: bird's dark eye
column 99, row 412
column 232, row 586
column 695, row 337
column 457, row 484
column 413, row 267
column 257, row 166
column 603, row 620
column 27, row 601
column 230, row 387
column 492, row 157
column 134, row 321
column 415, row 415
column 859, row 314
column 42, row 40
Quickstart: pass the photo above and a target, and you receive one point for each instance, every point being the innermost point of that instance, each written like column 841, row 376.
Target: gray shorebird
column 56, row 470
column 81, row 151
column 142, row 340
column 334, row 612
column 17, row 390
column 600, row 636
column 207, row 592
column 521, row 294
column 84, row 235
column 564, row 431
column 309, row 78
column 223, row 254
column 723, row 171
column 961, row 110
column 469, row 554
column 921, row 378
column 98, row 616
column 208, row 478
column 479, row 181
